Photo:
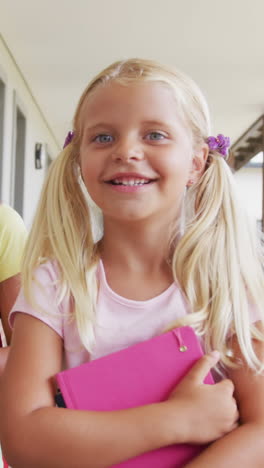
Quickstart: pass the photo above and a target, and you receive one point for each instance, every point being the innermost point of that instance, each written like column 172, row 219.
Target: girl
column 166, row 254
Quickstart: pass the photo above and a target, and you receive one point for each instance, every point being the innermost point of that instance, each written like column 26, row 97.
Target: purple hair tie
column 68, row 139
column 220, row 144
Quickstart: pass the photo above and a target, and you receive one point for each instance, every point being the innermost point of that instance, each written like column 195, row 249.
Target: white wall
column 37, row 130
column 249, row 180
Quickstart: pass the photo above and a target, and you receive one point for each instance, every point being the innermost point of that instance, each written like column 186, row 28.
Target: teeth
column 130, row 182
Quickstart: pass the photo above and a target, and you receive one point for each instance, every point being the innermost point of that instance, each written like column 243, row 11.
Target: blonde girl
column 175, row 248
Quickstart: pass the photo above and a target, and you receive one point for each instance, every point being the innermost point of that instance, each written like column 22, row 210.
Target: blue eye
column 155, row 136
column 103, row 138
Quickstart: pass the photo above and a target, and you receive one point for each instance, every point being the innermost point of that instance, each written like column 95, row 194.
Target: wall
column 249, row 180
column 37, row 130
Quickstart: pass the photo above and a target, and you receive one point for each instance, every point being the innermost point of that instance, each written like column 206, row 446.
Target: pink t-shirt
column 120, row 322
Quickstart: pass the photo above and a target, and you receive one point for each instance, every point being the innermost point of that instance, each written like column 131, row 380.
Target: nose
column 128, row 149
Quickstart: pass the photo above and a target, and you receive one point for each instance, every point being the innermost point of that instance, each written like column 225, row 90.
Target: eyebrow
column 156, row 122
column 92, row 128
column 111, row 126
column 169, row 125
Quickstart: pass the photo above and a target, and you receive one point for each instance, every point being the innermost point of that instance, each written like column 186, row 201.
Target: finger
column 228, row 385
column 234, row 426
column 203, row 366
column 236, row 416
column 230, row 429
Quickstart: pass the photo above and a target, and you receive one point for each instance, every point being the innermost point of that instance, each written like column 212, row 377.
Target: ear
column 198, row 164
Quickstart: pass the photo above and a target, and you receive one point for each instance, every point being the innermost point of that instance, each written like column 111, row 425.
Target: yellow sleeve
column 13, row 236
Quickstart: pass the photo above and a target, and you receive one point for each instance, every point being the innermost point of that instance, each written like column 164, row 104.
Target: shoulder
column 11, row 222
column 46, row 283
column 45, row 301
column 8, row 216
column 13, row 236
column 47, row 271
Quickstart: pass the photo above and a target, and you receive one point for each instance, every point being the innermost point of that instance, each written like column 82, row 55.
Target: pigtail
column 62, row 232
column 217, row 264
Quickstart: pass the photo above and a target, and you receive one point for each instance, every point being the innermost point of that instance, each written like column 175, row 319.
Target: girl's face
column 136, row 153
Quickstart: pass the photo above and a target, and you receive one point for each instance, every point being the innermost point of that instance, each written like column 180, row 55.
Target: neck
column 137, row 246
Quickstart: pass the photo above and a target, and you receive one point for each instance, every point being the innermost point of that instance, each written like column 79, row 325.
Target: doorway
column 18, row 166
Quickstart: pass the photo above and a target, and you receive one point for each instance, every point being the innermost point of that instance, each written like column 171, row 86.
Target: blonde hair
column 217, row 262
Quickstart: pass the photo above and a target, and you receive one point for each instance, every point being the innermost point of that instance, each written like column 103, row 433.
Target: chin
column 134, row 217
column 128, row 216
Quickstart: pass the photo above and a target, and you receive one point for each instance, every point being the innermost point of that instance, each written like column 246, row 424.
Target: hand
column 210, row 411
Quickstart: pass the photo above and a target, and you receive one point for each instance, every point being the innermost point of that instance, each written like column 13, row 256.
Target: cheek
column 87, row 174
column 84, row 166
column 88, row 166
column 177, row 166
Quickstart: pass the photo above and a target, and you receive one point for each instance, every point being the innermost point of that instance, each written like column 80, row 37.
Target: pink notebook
column 141, row 374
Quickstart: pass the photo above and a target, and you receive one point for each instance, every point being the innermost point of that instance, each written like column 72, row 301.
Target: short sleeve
column 13, row 235
column 44, row 293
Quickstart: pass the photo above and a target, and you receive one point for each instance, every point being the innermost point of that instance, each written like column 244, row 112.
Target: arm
column 9, row 289
column 13, row 236
column 3, row 359
column 244, row 446
column 30, row 422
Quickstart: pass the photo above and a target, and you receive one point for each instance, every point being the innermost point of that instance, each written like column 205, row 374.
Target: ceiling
column 59, row 45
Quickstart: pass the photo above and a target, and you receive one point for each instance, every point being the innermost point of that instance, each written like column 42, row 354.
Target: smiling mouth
column 130, row 181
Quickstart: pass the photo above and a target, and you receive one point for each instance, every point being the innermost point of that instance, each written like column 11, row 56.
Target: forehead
column 147, row 100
